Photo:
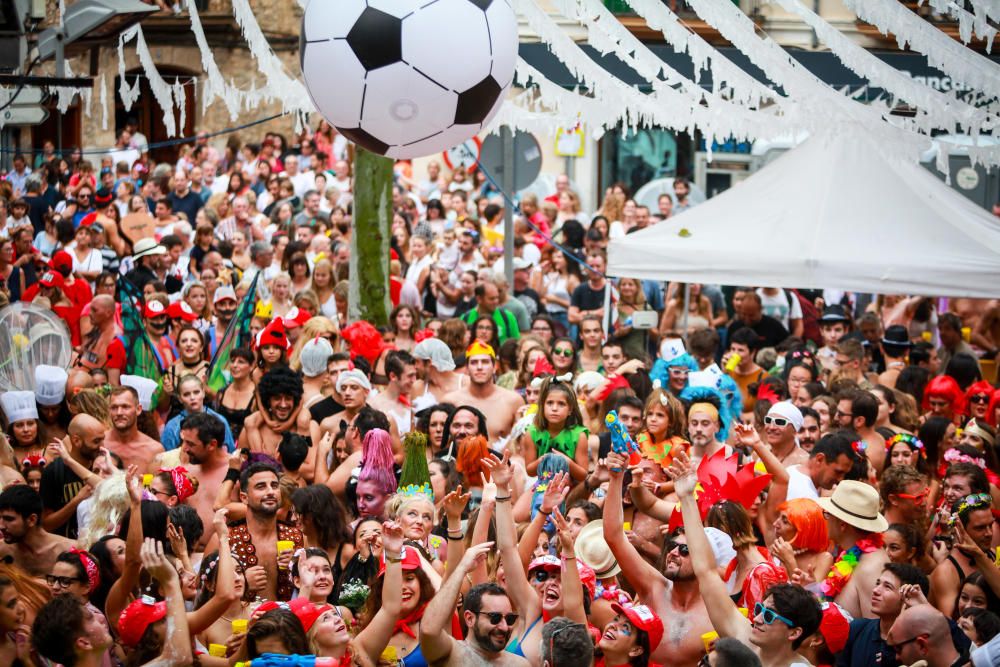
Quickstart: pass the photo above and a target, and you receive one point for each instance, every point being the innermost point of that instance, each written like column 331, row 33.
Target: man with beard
column 394, row 400
column 857, row 410
column 498, row 404
column 972, row 551
column 436, row 366
column 30, row 546
column 154, row 316
column 781, row 426
column 703, row 429
column 673, row 593
column 125, row 439
column 828, row 463
column 62, row 489
column 254, row 540
column 353, row 388
column 102, row 348
column 336, row 363
column 809, row 433
column 486, row 613
column 224, row 304
column 776, row 627
column 203, row 443
column 147, row 255
column 904, row 494
column 280, row 410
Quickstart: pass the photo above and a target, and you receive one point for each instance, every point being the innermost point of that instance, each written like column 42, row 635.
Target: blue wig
column 692, row 395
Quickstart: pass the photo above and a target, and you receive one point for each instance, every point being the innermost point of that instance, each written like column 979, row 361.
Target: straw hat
column 856, row 503
column 594, row 551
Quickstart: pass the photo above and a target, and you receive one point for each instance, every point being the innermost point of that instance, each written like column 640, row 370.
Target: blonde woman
column 322, row 285
column 281, row 294
column 699, row 310
column 322, row 327
column 632, row 299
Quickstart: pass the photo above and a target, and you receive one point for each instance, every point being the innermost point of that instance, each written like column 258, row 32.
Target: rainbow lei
column 844, row 566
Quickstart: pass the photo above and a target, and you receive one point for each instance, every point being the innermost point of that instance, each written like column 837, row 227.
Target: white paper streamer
column 161, row 89
column 215, row 84
column 944, row 112
column 963, row 65
column 180, row 96
column 104, row 103
column 968, row 23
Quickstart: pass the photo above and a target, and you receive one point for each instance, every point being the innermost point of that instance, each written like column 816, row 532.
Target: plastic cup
column 927, row 336
column 147, row 479
column 240, row 626
column 285, row 545
column 627, row 525
column 733, row 362
column 966, row 334
column 708, row 639
column 217, row 650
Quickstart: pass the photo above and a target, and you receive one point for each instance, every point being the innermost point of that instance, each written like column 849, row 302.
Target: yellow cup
column 734, row 361
column 627, row 525
column 745, row 612
column 217, row 650
column 147, row 479
column 708, row 640
column 966, row 334
column 927, row 336
column 285, row 545
column 240, row 626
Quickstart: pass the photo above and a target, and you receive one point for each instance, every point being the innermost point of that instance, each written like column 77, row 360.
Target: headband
column 90, row 566
column 704, row 407
column 182, row 483
column 355, row 376
column 911, row 441
column 477, row 348
column 973, row 428
column 33, row 461
column 955, row 456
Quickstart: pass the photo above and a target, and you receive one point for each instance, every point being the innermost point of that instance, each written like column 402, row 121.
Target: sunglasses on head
column 495, row 617
column 776, row 421
column 769, row 615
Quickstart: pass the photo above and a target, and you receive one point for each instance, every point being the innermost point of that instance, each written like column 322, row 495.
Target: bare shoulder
column 463, row 656
column 457, row 397
column 252, row 421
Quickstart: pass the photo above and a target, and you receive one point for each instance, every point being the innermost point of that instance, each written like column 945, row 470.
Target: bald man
column 922, row 633
column 101, row 347
column 62, row 490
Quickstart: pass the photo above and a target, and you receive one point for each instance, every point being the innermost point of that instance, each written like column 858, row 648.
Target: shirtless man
column 674, row 594
column 703, row 429
column 203, row 443
column 781, row 622
column 354, row 387
column 280, row 410
column 32, row 547
column 436, row 368
column 486, row 640
column 394, row 399
column 313, row 358
column 857, row 409
column 987, row 332
column 101, row 347
column 124, row 438
column 498, row 404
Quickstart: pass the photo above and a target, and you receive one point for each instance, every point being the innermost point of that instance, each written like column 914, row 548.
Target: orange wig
column 469, row 461
column 810, row 526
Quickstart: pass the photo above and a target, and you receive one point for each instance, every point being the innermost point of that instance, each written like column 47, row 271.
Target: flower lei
column 844, row 566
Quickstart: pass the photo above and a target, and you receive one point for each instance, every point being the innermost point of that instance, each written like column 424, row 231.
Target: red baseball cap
column 643, row 618
column 307, row 612
column 62, row 262
column 835, row 627
column 180, row 310
column 52, row 279
column 88, row 219
column 296, row 317
column 154, row 309
column 411, row 561
column 546, row 562
column 138, row 616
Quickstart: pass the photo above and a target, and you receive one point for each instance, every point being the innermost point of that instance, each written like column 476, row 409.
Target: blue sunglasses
column 770, row 615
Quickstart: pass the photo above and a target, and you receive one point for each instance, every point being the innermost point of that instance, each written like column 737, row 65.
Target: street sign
column 16, row 115
column 526, row 159
column 463, row 156
column 29, row 96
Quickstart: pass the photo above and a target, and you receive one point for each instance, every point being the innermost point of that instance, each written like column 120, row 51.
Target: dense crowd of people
column 566, row 470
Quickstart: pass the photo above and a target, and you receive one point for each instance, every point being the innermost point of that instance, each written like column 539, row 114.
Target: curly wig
column 280, row 381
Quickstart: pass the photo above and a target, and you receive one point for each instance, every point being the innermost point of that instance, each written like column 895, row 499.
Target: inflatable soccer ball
column 408, row 78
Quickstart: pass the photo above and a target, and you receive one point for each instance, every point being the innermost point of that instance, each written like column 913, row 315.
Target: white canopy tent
column 831, row 213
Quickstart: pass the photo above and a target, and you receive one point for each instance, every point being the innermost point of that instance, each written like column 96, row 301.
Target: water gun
column 277, row 660
column 621, row 441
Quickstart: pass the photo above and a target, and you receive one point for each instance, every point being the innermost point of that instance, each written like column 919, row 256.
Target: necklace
column 845, row 564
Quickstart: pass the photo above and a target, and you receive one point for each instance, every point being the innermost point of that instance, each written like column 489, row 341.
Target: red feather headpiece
column 542, row 367
column 722, row 479
column 612, row 383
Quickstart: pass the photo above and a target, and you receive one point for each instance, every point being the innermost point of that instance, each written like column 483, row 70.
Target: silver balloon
column 29, row 337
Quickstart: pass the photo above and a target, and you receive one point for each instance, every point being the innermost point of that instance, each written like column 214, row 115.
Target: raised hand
column 133, row 482
column 639, row 478
column 783, row 550
column 475, row 556
column 489, row 490
column 392, row 539
column 617, row 464
column 500, row 470
column 555, row 493
column 454, row 504
column 912, row 595
column 683, row 475
column 567, row 540
column 963, row 542
column 154, row 562
column 220, row 523
column 256, row 578
column 177, row 542
column 746, row 434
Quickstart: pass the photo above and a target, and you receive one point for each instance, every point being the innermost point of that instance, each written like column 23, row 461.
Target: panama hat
column 856, row 503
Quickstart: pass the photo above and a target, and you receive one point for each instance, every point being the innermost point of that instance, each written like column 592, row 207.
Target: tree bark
column 372, row 222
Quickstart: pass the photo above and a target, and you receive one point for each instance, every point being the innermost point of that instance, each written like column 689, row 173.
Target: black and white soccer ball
column 408, row 78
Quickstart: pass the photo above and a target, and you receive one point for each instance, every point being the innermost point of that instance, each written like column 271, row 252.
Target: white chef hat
column 143, row 386
column 437, row 352
column 50, row 384
column 355, row 376
column 314, row 356
column 19, row 405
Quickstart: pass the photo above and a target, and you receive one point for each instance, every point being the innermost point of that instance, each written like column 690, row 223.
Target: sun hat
column 592, row 549
column 146, row 247
column 855, row 503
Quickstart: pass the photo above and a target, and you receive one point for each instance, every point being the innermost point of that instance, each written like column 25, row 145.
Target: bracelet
column 394, row 559
column 544, row 513
column 232, row 475
column 456, row 538
column 569, row 557
column 502, row 500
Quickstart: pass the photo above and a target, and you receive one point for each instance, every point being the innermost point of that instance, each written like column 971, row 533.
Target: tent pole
column 607, row 307
column 687, row 306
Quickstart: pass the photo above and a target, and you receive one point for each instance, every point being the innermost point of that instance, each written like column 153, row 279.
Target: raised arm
column 435, row 640
column 121, row 590
column 748, row 436
column 552, row 499
column 520, row 591
column 643, row 577
column 376, row 635
column 572, row 589
column 722, row 611
column 454, row 504
column 201, row 619
column 177, row 641
column 480, row 532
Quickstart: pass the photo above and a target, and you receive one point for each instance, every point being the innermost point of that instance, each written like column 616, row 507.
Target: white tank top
column 555, row 285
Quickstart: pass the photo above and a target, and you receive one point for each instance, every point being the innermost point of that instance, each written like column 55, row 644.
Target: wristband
column 394, row 559
column 232, row 475
column 456, row 538
column 502, row 500
column 544, row 513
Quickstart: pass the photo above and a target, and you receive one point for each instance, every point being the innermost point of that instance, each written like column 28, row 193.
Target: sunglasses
column 562, row 352
column 769, row 615
column 979, row 398
column 495, row 617
column 776, row 421
column 898, row 648
column 64, row 582
column 541, row 576
column 682, row 549
column 915, row 496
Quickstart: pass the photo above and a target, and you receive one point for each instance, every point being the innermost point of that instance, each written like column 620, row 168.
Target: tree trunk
column 372, row 222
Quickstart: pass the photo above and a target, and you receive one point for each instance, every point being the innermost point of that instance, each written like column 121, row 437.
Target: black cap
column 833, row 314
column 897, row 336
